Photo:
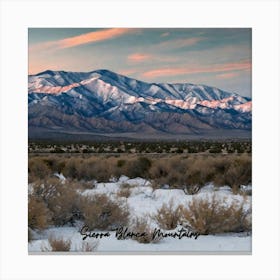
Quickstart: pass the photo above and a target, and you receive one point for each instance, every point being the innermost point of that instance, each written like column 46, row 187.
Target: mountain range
column 108, row 104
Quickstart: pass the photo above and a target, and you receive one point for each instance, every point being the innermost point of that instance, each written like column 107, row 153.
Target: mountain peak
column 105, row 101
column 49, row 72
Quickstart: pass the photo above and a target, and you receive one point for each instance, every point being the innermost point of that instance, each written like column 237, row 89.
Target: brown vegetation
column 100, row 212
column 39, row 216
column 59, row 244
column 54, row 202
column 208, row 216
column 190, row 172
column 61, row 199
column 88, row 247
column 140, row 225
column 124, row 192
column 167, row 216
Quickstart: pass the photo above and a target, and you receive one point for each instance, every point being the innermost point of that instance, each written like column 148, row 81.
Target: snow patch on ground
column 232, row 242
column 144, row 202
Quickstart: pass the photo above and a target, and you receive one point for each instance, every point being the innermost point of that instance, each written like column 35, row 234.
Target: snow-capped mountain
column 105, row 102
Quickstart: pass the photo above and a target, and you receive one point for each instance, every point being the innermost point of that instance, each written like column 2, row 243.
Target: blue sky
column 218, row 57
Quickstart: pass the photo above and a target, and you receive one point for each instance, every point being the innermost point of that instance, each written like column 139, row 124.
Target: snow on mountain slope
column 109, row 85
column 245, row 107
column 102, row 100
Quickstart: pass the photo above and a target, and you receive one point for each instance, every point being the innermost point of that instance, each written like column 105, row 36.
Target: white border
column 17, row 16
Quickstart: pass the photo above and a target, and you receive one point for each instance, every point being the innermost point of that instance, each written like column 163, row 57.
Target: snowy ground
column 143, row 202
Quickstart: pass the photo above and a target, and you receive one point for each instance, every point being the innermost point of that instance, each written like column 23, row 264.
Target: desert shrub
column 171, row 172
column 121, row 162
column 233, row 172
column 127, row 186
column 100, row 170
column 177, row 171
column 89, row 169
column 212, row 215
column 37, row 169
column 239, row 173
column 101, row 212
column 200, row 171
column 139, row 167
column 159, row 169
column 88, row 246
column 124, row 192
column 45, row 188
column 65, row 205
column 168, row 217
column 59, row 244
column 72, row 168
column 61, row 199
column 159, row 172
column 54, row 163
column 192, row 189
column 140, row 225
column 221, row 165
column 39, row 216
column 155, row 185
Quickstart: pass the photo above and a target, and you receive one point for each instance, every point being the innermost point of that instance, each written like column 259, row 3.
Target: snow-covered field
column 143, row 202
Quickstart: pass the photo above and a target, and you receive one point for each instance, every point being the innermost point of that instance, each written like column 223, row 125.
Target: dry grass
column 61, row 199
column 168, row 217
column 54, row 202
column 124, row 192
column 100, row 212
column 59, row 244
column 64, row 245
column 211, row 215
column 199, row 172
column 39, row 216
column 138, row 167
column 88, row 247
column 140, row 225
column 174, row 170
column 37, row 169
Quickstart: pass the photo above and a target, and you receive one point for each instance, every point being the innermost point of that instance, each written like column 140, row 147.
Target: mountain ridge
column 102, row 101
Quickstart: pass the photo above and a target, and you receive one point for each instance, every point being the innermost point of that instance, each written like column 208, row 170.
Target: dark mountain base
column 74, row 136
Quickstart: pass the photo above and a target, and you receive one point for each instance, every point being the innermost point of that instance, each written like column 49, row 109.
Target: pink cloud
column 86, row 38
column 178, row 43
column 93, row 37
column 242, row 65
column 227, row 75
column 138, row 57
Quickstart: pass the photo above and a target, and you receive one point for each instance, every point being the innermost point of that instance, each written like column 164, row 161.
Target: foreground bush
column 39, row 216
column 100, row 212
column 59, row 244
column 61, row 199
column 88, row 247
column 37, row 169
column 168, row 217
column 140, row 225
column 211, row 215
column 239, row 172
column 124, row 192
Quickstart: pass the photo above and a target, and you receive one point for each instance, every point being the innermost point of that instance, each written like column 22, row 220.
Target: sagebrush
column 212, row 215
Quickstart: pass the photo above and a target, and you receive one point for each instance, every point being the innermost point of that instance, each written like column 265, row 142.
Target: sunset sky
column 215, row 57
